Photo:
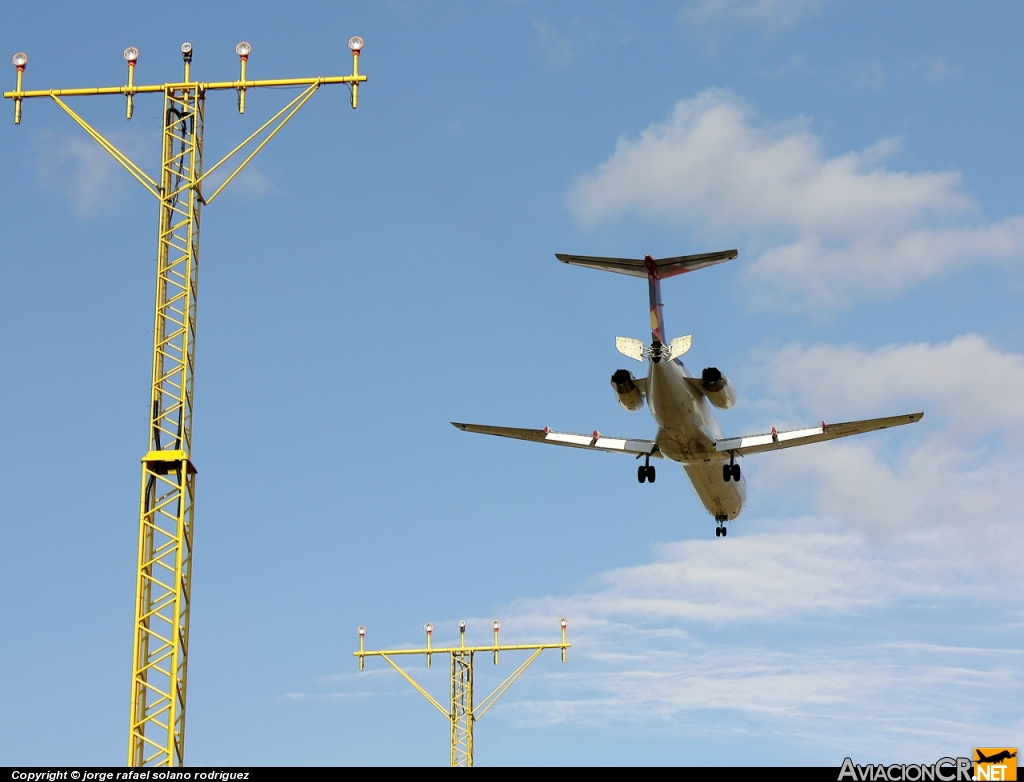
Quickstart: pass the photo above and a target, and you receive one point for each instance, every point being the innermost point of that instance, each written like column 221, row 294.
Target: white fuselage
column 687, row 429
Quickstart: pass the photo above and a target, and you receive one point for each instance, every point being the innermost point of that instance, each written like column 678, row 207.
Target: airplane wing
column 634, row 267
column 774, row 440
column 590, row 442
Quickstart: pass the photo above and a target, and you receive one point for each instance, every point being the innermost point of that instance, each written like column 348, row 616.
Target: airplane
column 681, row 403
column 999, row 756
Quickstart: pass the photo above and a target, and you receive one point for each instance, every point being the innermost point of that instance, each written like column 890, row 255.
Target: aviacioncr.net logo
column 942, row 770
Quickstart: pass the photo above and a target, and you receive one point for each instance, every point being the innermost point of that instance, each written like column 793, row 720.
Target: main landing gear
column 720, row 530
column 645, row 472
column 731, row 471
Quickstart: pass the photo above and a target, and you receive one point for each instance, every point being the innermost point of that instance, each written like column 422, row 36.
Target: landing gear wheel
column 641, row 473
column 650, row 473
column 735, row 472
column 726, row 473
column 724, row 532
column 718, row 532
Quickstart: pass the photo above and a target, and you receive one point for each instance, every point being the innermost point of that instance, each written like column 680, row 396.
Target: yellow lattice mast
column 463, row 713
column 163, row 586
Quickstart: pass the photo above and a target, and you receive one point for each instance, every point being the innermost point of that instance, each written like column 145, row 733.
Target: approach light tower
column 163, row 584
column 463, row 712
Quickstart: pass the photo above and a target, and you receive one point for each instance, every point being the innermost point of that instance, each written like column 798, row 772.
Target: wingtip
column 457, row 425
column 563, row 257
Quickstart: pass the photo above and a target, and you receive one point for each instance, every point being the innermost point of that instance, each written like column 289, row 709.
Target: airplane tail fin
column 655, row 271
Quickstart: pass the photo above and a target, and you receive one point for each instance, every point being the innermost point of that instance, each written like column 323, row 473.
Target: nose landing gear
column 646, row 472
column 720, row 530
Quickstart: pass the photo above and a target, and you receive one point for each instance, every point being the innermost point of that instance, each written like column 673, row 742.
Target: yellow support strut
column 166, row 508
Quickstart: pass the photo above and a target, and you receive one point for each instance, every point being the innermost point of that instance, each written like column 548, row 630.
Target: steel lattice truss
column 164, row 576
column 163, row 591
column 462, row 709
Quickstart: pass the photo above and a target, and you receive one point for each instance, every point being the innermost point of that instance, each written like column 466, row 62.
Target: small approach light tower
column 164, row 574
column 463, row 712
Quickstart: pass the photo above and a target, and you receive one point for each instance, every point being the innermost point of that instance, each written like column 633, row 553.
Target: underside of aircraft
column 681, row 403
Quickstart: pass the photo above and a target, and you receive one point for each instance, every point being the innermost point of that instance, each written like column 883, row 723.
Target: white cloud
column 251, row 182
column 946, row 485
column 556, row 47
column 935, row 70
column 823, row 273
column 835, row 229
column 966, row 383
column 880, row 701
column 79, row 169
column 769, row 14
column 93, row 182
column 869, row 74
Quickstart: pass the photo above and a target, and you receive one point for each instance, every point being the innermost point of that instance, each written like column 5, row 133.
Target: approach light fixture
column 496, row 625
column 429, row 628
column 362, row 630
column 563, row 622
column 243, row 50
column 18, row 61
column 355, row 43
column 462, row 627
column 131, row 54
column 186, row 54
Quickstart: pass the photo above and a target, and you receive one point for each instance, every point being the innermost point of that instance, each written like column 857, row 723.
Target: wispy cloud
column 250, row 183
column 94, row 183
column 884, row 702
column 935, row 70
column 770, row 15
column 836, row 229
column 796, row 64
column 869, row 74
column 556, row 47
column 76, row 167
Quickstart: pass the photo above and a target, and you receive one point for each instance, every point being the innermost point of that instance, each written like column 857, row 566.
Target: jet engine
column 627, row 391
column 717, row 388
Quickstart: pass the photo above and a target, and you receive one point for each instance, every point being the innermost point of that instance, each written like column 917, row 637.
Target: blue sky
column 379, row 273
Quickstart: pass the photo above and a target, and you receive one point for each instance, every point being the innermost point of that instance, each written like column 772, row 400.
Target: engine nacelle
column 717, row 388
column 627, row 391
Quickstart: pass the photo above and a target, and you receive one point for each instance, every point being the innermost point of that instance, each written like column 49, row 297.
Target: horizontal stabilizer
column 667, row 267
column 592, row 442
column 774, row 440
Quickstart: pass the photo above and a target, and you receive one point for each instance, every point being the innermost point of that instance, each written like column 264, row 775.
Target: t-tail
column 655, row 270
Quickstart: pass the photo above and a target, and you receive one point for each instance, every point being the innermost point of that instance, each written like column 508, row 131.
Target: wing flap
column 591, row 442
column 774, row 440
